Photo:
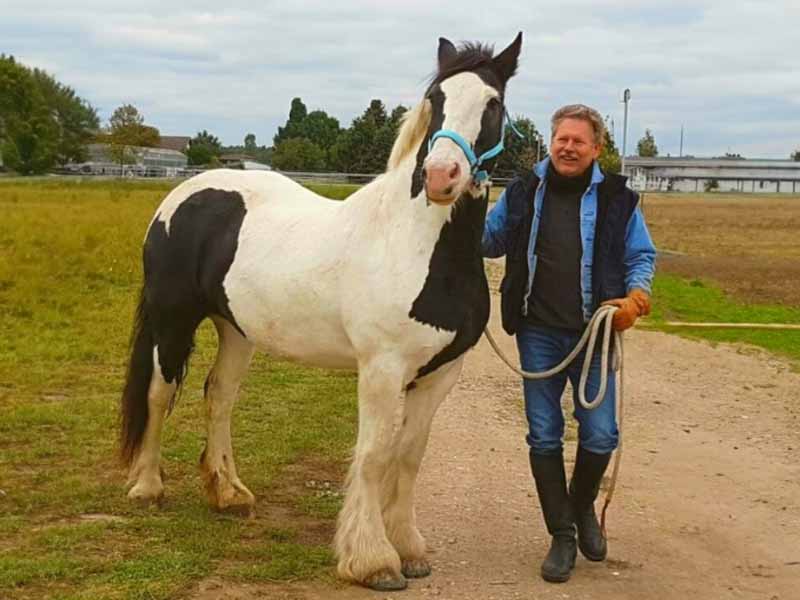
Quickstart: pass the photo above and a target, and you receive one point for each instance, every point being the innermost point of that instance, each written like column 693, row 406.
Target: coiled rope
column 604, row 314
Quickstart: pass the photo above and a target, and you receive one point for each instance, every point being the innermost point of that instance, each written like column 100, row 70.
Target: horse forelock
column 471, row 56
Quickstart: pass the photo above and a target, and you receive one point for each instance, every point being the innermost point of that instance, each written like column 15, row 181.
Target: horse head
column 465, row 101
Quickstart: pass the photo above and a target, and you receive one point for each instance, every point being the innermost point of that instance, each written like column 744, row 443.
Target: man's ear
column 506, row 61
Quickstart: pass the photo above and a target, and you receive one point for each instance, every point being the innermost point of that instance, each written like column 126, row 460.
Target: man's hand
column 636, row 304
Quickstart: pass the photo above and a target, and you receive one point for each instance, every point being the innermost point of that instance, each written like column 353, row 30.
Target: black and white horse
column 390, row 282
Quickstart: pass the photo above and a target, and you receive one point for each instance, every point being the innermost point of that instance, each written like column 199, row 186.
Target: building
column 688, row 174
column 163, row 161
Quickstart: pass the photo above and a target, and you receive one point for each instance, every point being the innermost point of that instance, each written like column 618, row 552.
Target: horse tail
column 133, row 407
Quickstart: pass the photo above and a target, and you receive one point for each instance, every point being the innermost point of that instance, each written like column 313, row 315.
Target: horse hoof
column 386, row 581
column 242, row 507
column 146, row 496
column 416, row 568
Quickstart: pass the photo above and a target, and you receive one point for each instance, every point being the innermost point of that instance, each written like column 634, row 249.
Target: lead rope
column 604, row 314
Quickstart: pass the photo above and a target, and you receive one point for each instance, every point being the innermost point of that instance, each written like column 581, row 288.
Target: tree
column 647, row 145
column 250, row 146
column 520, row 154
column 127, row 132
column 365, row 146
column 795, row 156
column 610, row 159
column 42, row 122
column 298, row 154
column 204, row 148
column 317, row 127
column 76, row 119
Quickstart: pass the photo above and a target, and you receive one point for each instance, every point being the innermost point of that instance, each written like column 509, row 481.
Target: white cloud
column 727, row 69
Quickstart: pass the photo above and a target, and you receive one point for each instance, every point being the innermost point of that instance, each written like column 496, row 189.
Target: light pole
column 539, row 147
column 626, row 97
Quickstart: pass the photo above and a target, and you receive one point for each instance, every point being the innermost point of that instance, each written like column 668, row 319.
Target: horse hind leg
column 145, row 475
column 158, row 364
column 225, row 490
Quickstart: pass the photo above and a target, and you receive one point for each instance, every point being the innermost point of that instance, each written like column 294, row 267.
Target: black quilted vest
column 615, row 205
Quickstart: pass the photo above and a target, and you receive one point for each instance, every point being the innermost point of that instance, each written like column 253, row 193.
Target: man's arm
column 640, row 266
column 640, row 255
column 493, row 242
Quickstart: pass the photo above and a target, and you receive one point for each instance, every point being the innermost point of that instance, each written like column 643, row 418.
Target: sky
column 727, row 70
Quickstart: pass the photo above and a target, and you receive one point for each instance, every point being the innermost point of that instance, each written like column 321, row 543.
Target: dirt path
column 708, row 503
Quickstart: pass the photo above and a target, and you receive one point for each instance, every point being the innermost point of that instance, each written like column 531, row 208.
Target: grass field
column 730, row 258
column 69, row 276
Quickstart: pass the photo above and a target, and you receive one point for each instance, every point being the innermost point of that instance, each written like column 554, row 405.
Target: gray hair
column 584, row 113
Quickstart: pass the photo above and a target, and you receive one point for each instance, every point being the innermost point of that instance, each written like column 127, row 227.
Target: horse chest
column 455, row 295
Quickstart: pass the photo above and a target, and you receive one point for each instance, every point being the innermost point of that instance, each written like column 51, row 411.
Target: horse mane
column 470, row 57
column 412, row 131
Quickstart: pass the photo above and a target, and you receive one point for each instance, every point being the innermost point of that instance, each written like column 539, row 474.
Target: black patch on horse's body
column 455, row 296
column 184, row 271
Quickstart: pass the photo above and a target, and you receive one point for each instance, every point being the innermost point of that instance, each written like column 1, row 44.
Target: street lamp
column 626, row 97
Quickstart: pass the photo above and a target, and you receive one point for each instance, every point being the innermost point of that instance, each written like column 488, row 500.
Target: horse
column 389, row 282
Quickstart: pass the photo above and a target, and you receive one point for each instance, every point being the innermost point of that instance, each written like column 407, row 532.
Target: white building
column 721, row 174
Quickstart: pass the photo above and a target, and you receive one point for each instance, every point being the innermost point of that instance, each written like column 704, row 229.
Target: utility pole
column 681, row 151
column 626, row 97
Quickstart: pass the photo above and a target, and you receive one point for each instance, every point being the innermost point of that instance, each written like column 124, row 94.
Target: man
column 574, row 238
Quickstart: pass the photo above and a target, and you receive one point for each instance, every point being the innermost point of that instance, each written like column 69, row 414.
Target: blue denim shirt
column 640, row 253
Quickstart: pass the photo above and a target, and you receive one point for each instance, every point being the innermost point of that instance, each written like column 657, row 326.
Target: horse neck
column 409, row 219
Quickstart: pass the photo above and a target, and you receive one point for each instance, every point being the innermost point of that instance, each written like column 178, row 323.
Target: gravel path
column 708, row 502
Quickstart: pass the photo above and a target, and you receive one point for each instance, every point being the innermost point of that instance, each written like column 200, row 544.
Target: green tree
column 317, row 127
column 28, row 130
column 520, row 153
column 647, row 145
column 365, row 146
column 610, row 159
column 795, row 155
column 76, row 119
column 127, row 132
column 204, row 148
column 250, row 146
column 298, row 154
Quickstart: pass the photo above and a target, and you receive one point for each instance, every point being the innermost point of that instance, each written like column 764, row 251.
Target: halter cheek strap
column 478, row 175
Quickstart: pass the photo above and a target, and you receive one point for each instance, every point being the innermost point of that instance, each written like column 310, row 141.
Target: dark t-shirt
column 555, row 299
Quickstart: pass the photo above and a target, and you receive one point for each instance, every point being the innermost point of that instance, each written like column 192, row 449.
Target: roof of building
column 734, row 163
column 174, row 142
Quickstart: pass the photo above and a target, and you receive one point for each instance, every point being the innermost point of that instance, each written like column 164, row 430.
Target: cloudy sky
column 726, row 69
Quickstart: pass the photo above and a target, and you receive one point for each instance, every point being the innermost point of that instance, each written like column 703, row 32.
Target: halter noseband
column 478, row 175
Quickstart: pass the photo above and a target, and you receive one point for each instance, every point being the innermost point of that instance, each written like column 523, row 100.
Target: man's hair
column 584, row 113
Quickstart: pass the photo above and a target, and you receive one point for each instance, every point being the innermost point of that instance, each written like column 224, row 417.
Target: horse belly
column 283, row 293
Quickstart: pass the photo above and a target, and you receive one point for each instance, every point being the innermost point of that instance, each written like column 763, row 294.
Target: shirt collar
column 541, row 171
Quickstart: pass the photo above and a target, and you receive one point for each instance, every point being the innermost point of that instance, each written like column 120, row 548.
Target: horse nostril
column 454, row 172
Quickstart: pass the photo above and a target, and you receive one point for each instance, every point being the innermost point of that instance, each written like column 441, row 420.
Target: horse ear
column 506, row 61
column 447, row 51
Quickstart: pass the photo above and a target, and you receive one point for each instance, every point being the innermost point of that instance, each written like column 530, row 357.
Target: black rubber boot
column 583, row 490
column 551, row 486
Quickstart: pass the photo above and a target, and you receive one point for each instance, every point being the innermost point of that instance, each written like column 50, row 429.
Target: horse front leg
column 364, row 552
column 399, row 515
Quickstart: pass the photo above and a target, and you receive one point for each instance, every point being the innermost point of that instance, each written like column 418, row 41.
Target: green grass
column 70, row 271
column 677, row 299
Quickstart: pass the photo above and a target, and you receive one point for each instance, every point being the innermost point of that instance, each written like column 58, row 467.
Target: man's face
column 573, row 148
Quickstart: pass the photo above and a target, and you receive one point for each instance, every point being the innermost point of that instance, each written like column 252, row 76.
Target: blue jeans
column 542, row 348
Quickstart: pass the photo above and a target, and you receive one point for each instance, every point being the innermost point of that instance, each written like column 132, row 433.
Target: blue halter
column 479, row 175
